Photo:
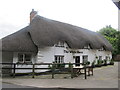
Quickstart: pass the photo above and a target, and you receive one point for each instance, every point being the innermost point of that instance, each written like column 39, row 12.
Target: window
column 27, row 57
column 107, row 58
column 59, row 59
column 102, row 49
column 87, row 47
column 24, row 57
column 85, row 58
column 20, row 57
column 100, row 57
column 60, row 44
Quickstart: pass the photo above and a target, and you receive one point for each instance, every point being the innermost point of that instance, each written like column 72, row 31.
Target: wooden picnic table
column 81, row 70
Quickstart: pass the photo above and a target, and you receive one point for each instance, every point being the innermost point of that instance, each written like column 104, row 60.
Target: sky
column 90, row 14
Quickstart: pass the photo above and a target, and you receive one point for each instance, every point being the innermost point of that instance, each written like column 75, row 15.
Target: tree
column 113, row 36
column 118, row 43
column 108, row 31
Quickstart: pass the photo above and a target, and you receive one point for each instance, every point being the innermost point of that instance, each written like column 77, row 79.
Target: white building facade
column 48, row 41
column 60, row 54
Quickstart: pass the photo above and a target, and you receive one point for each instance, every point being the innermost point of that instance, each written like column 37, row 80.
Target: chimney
column 32, row 14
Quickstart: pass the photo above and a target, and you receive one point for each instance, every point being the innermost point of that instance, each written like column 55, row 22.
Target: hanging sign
column 72, row 51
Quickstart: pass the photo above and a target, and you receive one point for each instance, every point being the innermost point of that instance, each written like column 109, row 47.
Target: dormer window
column 87, row 47
column 101, row 49
column 59, row 44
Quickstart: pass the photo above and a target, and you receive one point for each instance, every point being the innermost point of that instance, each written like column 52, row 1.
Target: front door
column 77, row 60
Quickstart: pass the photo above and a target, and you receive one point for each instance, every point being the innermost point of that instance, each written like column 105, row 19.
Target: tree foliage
column 113, row 36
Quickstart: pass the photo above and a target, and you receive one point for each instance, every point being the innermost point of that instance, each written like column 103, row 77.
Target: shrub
column 99, row 63
column 87, row 62
column 70, row 65
column 111, row 62
column 49, row 66
column 102, row 62
column 61, row 65
column 58, row 65
column 105, row 62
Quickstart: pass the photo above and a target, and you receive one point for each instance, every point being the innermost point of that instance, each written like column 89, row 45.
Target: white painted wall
column 46, row 55
column 15, row 60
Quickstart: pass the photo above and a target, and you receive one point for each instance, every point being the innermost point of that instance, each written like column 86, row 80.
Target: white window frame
column 84, row 60
column 24, row 58
column 100, row 58
column 59, row 58
column 101, row 49
column 59, row 44
column 87, row 47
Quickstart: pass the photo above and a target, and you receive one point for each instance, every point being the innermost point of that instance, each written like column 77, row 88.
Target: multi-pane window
column 101, row 49
column 85, row 58
column 24, row 57
column 107, row 57
column 59, row 44
column 100, row 57
column 59, row 59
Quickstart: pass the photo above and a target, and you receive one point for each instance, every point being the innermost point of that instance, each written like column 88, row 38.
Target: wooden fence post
column 85, row 71
column 71, row 67
column 53, row 68
column 92, row 70
column 33, row 71
column 14, row 70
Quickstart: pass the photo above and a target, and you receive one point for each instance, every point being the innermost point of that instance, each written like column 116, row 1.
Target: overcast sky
column 89, row 14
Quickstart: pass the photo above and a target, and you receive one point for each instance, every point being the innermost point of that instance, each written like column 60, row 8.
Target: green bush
column 49, row 66
column 105, row 62
column 99, row 62
column 102, row 61
column 56, row 66
column 87, row 62
column 111, row 62
column 60, row 65
column 70, row 65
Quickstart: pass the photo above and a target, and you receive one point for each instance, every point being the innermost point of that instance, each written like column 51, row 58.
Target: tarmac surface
column 104, row 77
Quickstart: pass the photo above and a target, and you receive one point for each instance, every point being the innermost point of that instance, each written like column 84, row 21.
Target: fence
column 53, row 67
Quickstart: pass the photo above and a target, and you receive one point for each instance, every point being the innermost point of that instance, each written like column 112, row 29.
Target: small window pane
column 60, row 44
column 28, row 57
column 85, row 58
column 20, row 57
column 100, row 57
column 59, row 59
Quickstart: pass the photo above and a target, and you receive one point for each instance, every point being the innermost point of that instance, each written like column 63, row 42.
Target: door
column 77, row 60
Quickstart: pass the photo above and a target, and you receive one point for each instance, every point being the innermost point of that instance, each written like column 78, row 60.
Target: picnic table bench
column 81, row 70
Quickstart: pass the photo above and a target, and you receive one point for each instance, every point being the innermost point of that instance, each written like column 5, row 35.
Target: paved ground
column 105, row 77
column 8, row 85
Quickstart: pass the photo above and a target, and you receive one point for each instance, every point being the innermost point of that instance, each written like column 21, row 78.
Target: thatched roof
column 44, row 32
column 19, row 41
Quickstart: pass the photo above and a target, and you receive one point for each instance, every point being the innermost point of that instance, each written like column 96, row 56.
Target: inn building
column 46, row 41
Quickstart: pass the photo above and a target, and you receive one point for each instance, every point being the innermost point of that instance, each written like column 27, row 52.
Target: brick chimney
column 32, row 14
